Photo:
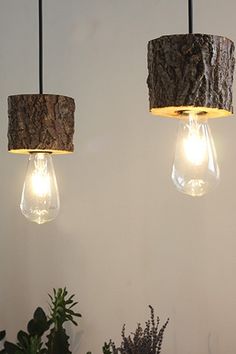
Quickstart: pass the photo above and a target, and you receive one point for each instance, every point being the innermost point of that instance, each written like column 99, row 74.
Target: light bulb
column 40, row 198
column 195, row 169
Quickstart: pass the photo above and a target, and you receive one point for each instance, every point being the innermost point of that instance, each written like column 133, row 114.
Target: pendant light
column 190, row 79
column 40, row 125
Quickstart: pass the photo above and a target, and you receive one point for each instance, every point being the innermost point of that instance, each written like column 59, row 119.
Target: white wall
column 124, row 237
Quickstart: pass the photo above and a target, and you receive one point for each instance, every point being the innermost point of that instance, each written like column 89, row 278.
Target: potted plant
column 147, row 340
column 31, row 341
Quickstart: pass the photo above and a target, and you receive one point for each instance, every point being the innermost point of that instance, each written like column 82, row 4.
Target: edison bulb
column 40, row 198
column 195, row 169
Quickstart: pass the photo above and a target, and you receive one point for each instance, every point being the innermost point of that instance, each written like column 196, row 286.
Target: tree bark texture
column 40, row 122
column 190, row 70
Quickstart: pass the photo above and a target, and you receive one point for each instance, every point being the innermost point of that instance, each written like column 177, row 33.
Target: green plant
column 2, row 336
column 31, row 342
column 106, row 348
column 61, row 312
column 142, row 341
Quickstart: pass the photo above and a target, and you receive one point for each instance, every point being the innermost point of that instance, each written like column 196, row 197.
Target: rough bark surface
column 40, row 122
column 191, row 70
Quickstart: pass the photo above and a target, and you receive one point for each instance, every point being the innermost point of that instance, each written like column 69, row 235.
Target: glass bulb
column 40, row 197
column 195, row 169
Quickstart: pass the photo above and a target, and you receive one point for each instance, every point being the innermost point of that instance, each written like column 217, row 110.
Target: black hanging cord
column 190, row 16
column 40, row 8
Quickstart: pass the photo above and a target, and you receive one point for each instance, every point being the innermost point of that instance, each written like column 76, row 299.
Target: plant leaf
column 2, row 335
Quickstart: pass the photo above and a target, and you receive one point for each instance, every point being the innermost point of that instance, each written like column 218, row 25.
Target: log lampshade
column 190, row 77
column 40, row 122
column 190, row 72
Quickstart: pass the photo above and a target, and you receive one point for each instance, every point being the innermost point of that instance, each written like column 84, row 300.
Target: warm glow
column 195, row 170
column 40, row 184
column 195, row 147
column 40, row 199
